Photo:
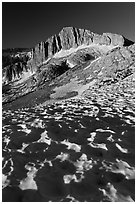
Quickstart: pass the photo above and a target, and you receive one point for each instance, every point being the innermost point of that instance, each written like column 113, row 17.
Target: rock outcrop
column 16, row 65
column 110, row 68
column 70, row 37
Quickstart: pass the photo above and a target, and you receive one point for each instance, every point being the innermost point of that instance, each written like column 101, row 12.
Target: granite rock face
column 70, row 37
column 15, row 65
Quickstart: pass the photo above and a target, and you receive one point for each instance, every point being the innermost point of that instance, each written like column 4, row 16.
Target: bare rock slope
column 68, row 39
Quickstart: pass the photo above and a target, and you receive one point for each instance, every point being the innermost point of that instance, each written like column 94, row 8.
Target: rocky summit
column 68, row 121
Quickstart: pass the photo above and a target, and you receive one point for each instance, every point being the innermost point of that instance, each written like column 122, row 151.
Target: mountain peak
column 71, row 37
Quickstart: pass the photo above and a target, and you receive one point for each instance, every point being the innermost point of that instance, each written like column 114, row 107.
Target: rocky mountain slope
column 68, row 40
column 14, row 63
column 69, row 121
column 106, row 68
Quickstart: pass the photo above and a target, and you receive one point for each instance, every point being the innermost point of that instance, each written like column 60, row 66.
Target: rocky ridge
column 110, row 68
column 69, row 38
column 15, row 64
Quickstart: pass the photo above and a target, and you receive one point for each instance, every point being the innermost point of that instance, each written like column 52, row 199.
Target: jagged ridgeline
column 60, row 53
column 67, row 39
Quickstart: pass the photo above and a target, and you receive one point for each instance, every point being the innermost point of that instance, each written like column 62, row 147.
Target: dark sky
column 26, row 24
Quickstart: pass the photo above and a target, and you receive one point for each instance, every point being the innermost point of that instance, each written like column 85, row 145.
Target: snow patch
column 63, row 53
column 63, row 156
column 101, row 130
column 72, row 146
column 113, row 196
column 28, row 182
column 102, row 146
column 123, row 150
column 5, row 181
column 92, row 134
column 44, row 138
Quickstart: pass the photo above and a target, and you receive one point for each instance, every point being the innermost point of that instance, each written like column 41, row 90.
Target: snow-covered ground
column 71, row 150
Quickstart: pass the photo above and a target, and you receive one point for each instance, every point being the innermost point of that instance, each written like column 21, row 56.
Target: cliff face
column 15, row 64
column 70, row 37
column 16, row 71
